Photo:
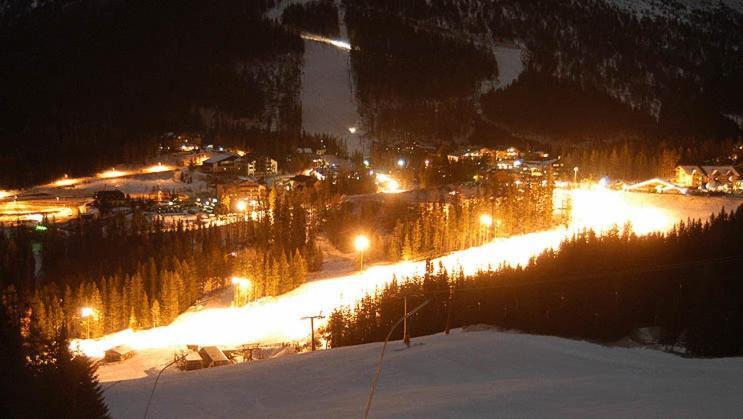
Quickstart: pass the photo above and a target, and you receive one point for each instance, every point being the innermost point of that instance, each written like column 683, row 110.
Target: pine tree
column 156, row 313
column 96, row 302
column 71, row 383
column 143, row 312
column 284, row 279
column 299, row 271
column 15, row 384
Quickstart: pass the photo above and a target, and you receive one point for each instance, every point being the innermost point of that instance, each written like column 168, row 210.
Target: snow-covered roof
column 218, row 158
column 688, row 168
column 213, row 353
column 720, row 169
column 121, row 349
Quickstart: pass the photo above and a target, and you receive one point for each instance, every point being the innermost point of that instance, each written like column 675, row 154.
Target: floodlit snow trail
column 278, row 319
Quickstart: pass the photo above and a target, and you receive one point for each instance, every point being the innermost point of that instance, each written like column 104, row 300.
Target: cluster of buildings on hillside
column 721, row 178
column 530, row 164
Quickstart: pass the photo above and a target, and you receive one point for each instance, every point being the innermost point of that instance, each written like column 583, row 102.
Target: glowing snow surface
column 278, row 319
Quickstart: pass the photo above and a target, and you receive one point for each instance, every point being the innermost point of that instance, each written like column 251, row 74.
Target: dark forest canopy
column 106, row 81
column 593, row 71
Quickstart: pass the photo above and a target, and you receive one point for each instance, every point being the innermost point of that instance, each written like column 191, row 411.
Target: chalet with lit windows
column 689, row 176
column 258, row 166
column 247, row 190
column 719, row 178
column 220, row 163
column 110, row 198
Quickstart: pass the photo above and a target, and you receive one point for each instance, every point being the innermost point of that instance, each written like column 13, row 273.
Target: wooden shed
column 193, row 361
column 213, row 357
column 119, row 353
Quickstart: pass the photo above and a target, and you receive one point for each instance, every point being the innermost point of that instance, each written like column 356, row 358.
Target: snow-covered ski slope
column 483, row 374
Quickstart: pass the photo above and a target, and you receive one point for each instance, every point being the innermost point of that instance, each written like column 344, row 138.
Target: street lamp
column 242, row 285
column 361, row 243
column 575, row 176
column 486, row 221
column 86, row 313
column 241, row 206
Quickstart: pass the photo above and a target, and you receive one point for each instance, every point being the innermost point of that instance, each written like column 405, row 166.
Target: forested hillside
column 106, row 79
column 685, row 284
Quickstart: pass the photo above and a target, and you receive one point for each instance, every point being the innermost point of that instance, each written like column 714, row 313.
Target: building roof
column 689, row 168
column 213, row 353
column 218, row 158
column 109, row 195
column 193, row 356
column 121, row 349
column 720, row 169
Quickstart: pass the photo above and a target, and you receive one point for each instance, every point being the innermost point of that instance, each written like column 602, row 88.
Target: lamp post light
column 575, row 176
column 241, row 207
column 242, row 286
column 86, row 313
column 486, row 221
column 361, row 243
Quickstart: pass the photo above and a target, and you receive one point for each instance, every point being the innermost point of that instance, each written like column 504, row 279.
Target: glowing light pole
column 575, row 176
column 241, row 206
column 242, row 285
column 86, row 313
column 361, row 243
column 486, row 221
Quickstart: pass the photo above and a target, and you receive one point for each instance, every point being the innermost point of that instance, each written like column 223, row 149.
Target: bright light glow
column 387, row 184
column 158, row 168
column 401, row 163
column 86, row 312
column 361, row 243
column 486, row 220
column 5, row 194
column 352, row 130
column 66, row 181
column 241, row 205
column 604, row 182
column 278, row 319
column 113, row 173
column 241, row 282
column 34, row 210
column 334, row 42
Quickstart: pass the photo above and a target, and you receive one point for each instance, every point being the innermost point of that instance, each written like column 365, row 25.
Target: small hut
column 193, row 361
column 119, row 353
column 213, row 357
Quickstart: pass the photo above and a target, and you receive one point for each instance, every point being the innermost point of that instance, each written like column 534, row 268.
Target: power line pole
column 449, row 307
column 312, row 327
column 406, row 332
column 406, row 316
